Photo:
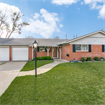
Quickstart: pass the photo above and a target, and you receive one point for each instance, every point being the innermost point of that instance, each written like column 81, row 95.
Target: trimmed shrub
column 83, row 59
column 102, row 58
column 42, row 58
column 96, row 58
column 89, row 58
column 48, row 58
column 38, row 58
column 45, row 58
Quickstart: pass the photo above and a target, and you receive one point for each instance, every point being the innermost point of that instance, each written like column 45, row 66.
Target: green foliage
column 38, row 58
column 96, row 58
column 48, row 57
column 83, row 59
column 102, row 58
column 43, row 58
column 89, row 58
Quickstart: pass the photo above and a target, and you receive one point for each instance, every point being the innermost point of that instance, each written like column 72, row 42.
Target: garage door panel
column 4, row 54
column 20, row 54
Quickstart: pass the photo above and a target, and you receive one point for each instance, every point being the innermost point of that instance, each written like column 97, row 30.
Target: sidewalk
column 42, row 69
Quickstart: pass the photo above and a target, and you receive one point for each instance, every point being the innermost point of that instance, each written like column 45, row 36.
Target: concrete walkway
column 42, row 69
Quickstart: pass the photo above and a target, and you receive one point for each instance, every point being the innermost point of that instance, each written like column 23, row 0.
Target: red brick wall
column 29, row 52
column 65, row 50
column 42, row 53
column 10, row 53
column 96, row 50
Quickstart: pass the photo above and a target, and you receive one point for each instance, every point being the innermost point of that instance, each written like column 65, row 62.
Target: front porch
column 53, row 52
column 56, row 52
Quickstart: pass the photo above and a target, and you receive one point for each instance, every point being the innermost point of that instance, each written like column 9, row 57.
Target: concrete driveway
column 8, row 72
column 1, row 62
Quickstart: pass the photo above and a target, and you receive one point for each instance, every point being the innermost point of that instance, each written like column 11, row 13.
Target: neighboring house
column 89, row 45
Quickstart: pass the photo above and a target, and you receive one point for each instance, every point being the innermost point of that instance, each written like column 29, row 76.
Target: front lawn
column 65, row 84
column 30, row 65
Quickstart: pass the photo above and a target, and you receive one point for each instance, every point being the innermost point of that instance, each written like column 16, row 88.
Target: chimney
column 76, row 36
column 73, row 36
column 66, row 36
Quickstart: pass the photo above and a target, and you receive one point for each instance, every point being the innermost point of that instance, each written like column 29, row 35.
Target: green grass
column 65, row 84
column 30, row 65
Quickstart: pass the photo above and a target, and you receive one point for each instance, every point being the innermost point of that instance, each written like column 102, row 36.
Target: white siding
column 98, row 39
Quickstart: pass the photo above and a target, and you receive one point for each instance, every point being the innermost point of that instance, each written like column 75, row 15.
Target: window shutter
column 73, row 47
column 89, row 48
column 37, row 49
column 45, row 49
column 102, row 48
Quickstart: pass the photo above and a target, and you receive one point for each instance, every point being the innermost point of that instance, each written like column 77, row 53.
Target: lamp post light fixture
column 35, row 46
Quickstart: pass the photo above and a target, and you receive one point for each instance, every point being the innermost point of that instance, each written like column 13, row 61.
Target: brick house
column 17, row 49
column 89, row 45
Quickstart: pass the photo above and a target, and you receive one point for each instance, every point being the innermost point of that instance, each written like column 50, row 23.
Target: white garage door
column 19, row 53
column 4, row 53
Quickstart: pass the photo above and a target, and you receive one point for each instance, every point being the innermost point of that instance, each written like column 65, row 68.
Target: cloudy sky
column 50, row 18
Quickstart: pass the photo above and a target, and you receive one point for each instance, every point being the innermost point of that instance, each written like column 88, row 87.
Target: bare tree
column 57, row 37
column 2, row 18
column 3, row 23
column 16, row 25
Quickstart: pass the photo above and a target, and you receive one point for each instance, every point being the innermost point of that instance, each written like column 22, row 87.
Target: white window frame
column 43, row 48
column 81, row 47
column 104, row 48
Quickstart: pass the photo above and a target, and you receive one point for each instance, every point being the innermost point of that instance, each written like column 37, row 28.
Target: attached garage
column 19, row 53
column 4, row 53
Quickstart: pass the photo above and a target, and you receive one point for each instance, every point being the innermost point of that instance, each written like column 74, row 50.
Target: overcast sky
column 50, row 18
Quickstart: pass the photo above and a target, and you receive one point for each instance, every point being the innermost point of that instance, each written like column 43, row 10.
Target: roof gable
column 88, row 35
column 97, row 39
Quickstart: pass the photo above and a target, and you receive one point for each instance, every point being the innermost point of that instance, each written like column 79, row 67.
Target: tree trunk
column 6, row 35
column 10, row 34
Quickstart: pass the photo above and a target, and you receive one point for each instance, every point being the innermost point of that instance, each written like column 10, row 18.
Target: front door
column 55, row 52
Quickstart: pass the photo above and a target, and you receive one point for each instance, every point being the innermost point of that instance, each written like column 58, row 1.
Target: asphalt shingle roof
column 29, row 41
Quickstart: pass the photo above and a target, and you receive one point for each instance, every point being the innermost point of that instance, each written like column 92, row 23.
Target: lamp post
column 35, row 46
